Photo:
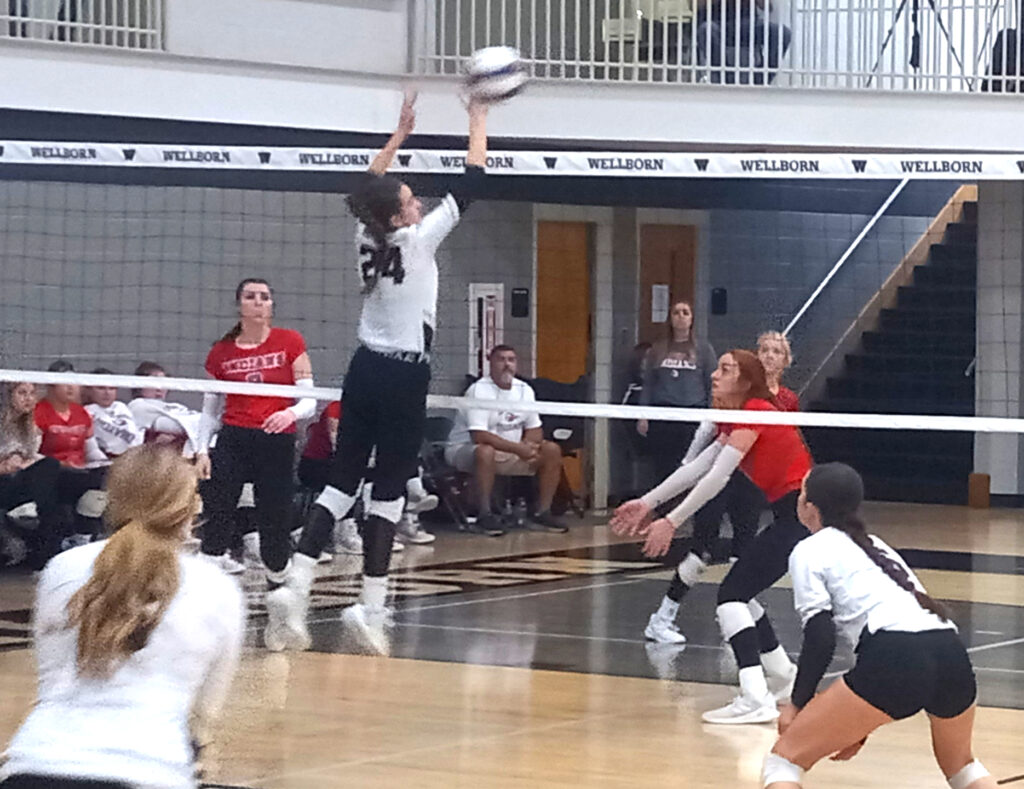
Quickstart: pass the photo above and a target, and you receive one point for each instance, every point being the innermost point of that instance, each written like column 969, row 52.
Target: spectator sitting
column 746, row 26
column 488, row 443
column 164, row 422
column 113, row 424
column 25, row 475
column 67, row 436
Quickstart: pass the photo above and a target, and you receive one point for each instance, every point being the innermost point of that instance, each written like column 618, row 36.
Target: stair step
column 953, row 255
column 918, row 491
column 927, row 321
column 945, row 277
column 892, row 340
column 907, row 362
column 970, row 213
column 896, row 405
column 936, row 298
column 961, row 233
column 903, row 466
column 840, row 441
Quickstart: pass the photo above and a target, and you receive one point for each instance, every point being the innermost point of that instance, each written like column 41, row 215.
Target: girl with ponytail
column 133, row 639
column 909, row 656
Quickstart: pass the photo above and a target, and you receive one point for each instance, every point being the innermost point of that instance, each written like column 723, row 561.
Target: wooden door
column 668, row 259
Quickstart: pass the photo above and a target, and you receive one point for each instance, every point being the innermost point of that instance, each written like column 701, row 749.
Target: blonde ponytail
column 152, row 499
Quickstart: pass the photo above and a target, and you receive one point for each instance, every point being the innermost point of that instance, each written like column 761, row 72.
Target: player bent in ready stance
column 909, row 656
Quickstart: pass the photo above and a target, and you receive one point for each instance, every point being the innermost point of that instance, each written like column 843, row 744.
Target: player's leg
column 229, row 470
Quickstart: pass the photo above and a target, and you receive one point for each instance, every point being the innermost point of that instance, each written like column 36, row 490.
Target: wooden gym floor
column 520, row 662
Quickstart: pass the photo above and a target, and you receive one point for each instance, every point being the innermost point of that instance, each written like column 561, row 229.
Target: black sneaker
column 545, row 521
column 487, row 524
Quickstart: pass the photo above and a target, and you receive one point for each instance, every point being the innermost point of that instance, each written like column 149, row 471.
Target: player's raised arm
column 476, row 155
column 406, row 123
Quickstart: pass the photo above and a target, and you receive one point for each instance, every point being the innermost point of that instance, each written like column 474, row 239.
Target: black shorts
column 903, row 673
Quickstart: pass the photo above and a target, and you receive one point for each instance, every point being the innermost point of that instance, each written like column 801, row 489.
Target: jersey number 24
column 378, row 263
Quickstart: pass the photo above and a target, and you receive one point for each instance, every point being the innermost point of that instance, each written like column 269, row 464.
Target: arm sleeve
column 465, row 190
column 815, row 656
column 709, row 486
column 306, row 406
column 209, row 422
column 701, row 440
column 683, row 478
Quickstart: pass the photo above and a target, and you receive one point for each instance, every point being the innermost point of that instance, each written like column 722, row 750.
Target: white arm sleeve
column 306, row 406
column 93, row 453
column 710, row 485
column 209, row 422
column 438, row 223
column 705, row 434
column 683, row 477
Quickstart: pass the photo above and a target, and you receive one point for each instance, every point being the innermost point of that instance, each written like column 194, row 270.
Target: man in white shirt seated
column 487, row 443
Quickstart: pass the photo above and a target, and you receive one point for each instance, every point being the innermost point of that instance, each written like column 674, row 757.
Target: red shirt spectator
column 319, row 445
column 268, row 363
column 64, row 436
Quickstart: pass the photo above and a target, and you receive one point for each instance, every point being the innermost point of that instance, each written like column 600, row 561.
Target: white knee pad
column 388, row 510
column 756, row 609
column 247, row 498
column 336, row 502
column 733, row 617
column 974, row 771
column 92, row 503
column 779, row 770
column 690, row 569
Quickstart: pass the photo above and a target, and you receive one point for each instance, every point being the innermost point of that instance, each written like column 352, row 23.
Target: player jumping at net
column 909, row 656
column 776, row 460
column 740, row 498
column 385, row 389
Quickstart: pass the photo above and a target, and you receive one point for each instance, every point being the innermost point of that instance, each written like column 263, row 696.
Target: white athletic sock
column 777, row 662
column 753, row 684
column 279, row 577
column 375, row 592
column 668, row 609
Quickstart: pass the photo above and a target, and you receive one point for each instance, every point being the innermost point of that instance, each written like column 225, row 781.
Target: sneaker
column 75, row 541
column 346, row 537
column 424, row 504
column 397, row 546
column 286, row 621
column 545, row 521
column 410, row 531
column 663, row 631
column 743, row 709
column 781, row 686
column 367, row 628
column 225, row 563
column 487, row 524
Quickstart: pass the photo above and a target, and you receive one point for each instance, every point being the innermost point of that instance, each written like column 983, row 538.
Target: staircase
column 914, row 362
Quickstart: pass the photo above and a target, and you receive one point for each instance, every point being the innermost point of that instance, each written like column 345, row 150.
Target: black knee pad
column 378, row 538
column 317, row 531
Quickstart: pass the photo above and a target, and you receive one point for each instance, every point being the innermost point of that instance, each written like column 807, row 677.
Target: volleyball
column 495, row 74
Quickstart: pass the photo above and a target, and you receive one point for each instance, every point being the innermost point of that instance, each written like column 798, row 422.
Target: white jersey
column 132, row 727
column 508, row 425
column 114, row 428
column 831, row 573
column 400, row 311
column 165, row 418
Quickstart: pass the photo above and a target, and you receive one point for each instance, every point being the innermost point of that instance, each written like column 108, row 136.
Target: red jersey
column 779, row 459
column 787, row 399
column 318, row 439
column 64, row 437
column 267, row 363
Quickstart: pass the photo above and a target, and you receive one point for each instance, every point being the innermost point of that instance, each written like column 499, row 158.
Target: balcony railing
column 119, row 24
column 902, row 45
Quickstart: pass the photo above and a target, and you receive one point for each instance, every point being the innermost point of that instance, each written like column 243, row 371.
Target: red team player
column 256, row 437
column 776, row 460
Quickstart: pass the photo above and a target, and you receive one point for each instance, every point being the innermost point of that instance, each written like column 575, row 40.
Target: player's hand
column 642, row 426
column 787, row 713
column 279, row 421
column 848, row 752
column 203, row 466
column 630, row 518
column 407, row 115
column 659, row 538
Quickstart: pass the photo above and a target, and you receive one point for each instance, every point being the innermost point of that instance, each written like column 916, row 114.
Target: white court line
column 996, row 645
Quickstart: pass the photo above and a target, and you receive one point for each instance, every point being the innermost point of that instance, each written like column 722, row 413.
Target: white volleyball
column 495, row 74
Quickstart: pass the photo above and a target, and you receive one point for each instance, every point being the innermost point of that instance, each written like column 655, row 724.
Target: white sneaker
column 367, row 627
column 346, row 537
column 426, row 504
column 743, row 709
column 781, row 685
column 286, row 621
column 225, row 563
column 409, row 530
column 663, row 631
column 396, row 546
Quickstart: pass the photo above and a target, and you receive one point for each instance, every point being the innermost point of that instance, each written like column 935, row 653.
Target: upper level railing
column 901, row 45
column 119, row 24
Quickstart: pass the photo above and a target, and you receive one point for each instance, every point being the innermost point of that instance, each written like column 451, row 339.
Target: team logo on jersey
column 248, row 365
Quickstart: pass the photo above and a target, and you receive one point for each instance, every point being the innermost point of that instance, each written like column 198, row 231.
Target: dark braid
column 837, row 490
column 373, row 203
